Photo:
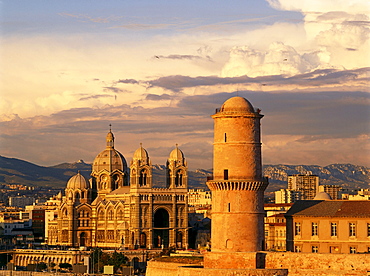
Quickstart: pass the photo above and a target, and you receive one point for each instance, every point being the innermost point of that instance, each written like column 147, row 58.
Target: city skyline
column 157, row 71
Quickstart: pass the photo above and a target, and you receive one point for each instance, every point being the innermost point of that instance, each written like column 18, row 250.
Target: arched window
column 101, row 215
column 120, row 215
column 142, row 178
column 178, row 179
column 110, row 215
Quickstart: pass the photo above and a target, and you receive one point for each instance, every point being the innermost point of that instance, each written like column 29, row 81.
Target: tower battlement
column 238, row 185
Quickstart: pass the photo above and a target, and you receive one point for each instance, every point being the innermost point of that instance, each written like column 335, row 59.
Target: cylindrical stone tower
column 238, row 185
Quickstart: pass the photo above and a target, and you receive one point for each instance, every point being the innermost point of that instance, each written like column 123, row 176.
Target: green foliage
column 5, row 258
column 117, row 260
column 65, row 265
column 99, row 259
column 41, row 266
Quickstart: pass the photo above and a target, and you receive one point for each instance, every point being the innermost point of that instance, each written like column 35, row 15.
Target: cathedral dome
column 141, row 153
column 109, row 159
column 176, row 154
column 77, row 182
column 237, row 104
column 322, row 196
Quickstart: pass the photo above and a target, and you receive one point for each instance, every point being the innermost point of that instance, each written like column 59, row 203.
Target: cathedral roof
column 77, row 182
column 109, row 159
column 176, row 154
column 141, row 153
column 237, row 104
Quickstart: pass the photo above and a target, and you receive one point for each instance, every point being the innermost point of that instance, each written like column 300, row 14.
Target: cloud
column 130, row 81
column 95, row 97
column 153, row 97
column 138, row 26
column 296, row 126
column 178, row 57
column 322, row 77
column 115, row 89
column 356, row 6
column 89, row 18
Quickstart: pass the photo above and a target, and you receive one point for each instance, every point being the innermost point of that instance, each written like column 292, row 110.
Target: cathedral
column 118, row 207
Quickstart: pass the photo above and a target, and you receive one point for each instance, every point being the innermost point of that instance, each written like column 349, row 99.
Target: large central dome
column 109, row 159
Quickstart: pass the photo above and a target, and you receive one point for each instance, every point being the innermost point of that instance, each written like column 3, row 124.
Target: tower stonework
column 237, row 185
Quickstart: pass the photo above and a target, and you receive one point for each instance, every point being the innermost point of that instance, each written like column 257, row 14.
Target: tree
column 65, row 266
column 117, row 260
column 52, row 265
column 41, row 266
column 99, row 259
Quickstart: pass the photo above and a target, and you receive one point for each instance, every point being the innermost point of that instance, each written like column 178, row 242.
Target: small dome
column 141, row 153
column 176, row 154
column 237, row 104
column 322, row 196
column 77, row 182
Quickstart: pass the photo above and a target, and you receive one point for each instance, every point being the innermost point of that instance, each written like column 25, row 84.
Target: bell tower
column 237, row 185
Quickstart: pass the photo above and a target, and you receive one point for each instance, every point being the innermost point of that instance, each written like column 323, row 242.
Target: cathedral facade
column 119, row 207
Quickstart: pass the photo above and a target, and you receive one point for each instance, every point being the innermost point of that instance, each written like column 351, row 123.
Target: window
column 110, row 215
column 297, row 248
column 368, row 229
column 333, row 227
column 225, row 138
column 226, row 174
column 352, row 250
column 315, row 229
column 266, row 233
column 352, row 229
column 315, row 249
column 297, row 228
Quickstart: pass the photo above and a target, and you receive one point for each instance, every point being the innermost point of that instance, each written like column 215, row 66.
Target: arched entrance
column 161, row 228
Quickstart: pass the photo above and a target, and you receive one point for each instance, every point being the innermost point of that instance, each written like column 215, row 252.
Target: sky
column 157, row 70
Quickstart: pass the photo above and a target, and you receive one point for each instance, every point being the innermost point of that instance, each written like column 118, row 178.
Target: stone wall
column 268, row 263
column 316, row 261
column 156, row 268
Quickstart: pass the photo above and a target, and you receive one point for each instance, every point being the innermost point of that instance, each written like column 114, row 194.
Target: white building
column 287, row 196
column 199, row 197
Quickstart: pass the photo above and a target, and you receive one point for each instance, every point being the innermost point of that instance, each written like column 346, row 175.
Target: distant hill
column 16, row 171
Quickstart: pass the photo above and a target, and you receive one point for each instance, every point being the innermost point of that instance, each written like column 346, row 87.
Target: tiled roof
column 330, row 208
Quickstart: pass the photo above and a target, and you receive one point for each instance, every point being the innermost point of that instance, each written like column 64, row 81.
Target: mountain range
column 16, row 171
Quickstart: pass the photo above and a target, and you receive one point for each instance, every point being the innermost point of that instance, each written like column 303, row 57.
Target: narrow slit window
column 226, row 174
column 225, row 138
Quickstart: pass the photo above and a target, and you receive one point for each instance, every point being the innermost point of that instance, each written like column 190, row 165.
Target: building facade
column 329, row 226
column 308, row 185
column 332, row 190
column 287, row 196
column 120, row 208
